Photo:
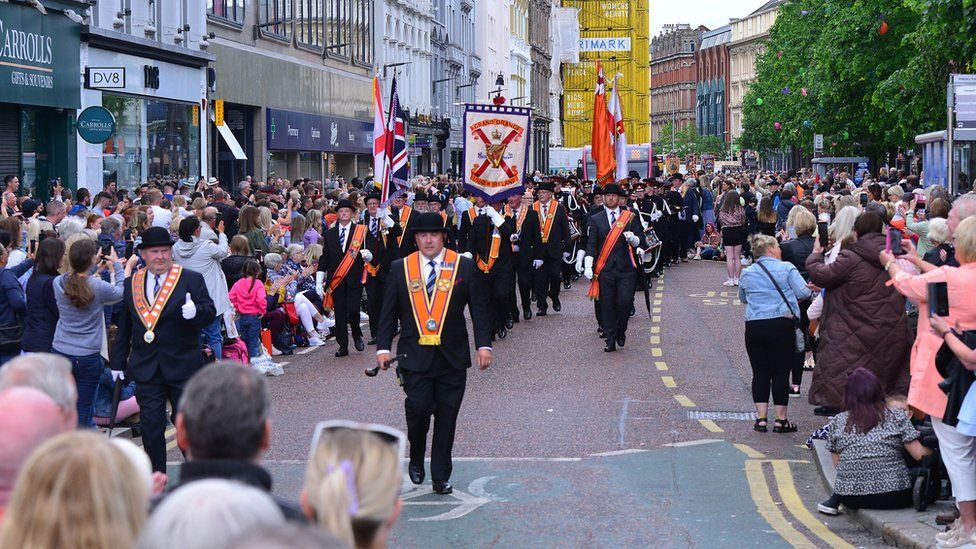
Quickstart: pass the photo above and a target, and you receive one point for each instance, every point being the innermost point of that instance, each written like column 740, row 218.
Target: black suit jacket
column 176, row 350
column 619, row 259
column 559, row 241
column 384, row 247
column 468, row 292
column 530, row 240
column 479, row 241
column 332, row 254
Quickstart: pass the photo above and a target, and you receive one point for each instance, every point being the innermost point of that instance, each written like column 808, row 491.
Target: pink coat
column 248, row 297
column 924, row 393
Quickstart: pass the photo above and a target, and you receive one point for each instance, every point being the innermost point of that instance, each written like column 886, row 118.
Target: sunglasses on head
column 392, row 436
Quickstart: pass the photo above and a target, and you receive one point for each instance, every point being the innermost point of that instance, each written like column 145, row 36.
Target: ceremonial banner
column 601, row 140
column 496, row 148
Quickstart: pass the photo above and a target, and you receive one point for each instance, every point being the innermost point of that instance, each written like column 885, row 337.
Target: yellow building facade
column 616, row 33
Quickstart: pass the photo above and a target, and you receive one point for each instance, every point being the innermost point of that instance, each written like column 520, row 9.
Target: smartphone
column 822, row 228
column 106, row 249
column 129, row 244
column 864, row 199
column 894, row 241
column 791, row 232
column 938, row 298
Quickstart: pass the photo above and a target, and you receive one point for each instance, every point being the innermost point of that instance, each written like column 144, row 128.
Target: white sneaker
column 960, row 537
column 944, row 536
column 745, row 261
column 315, row 341
column 735, row 281
column 275, row 351
column 728, row 282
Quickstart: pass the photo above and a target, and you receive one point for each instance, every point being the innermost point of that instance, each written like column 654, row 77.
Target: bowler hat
column 155, row 237
column 420, row 196
column 546, row 186
column 345, row 203
column 428, row 222
column 598, row 191
column 373, row 196
column 613, row 188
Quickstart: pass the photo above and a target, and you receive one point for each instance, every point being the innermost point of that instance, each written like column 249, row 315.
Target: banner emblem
column 496, row 149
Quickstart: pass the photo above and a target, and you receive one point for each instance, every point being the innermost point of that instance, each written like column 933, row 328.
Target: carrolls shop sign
column 39, row 57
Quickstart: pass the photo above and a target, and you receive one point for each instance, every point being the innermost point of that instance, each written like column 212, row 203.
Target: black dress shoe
column 527, row 314
column 566, row 285
column 416, row 473
column 556, row 305
column 509, row 324
column 825, row 411
column 358, row 343
column 542, row 312
column 443, row 488
column 621, row 340
column 372, row 341
column 342, row 352
column 611, row 346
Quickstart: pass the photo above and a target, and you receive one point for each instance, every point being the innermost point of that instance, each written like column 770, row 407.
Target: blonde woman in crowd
column 352, row 484
column 76, row 491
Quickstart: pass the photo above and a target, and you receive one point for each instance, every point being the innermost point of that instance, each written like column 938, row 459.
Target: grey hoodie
column 203, row 256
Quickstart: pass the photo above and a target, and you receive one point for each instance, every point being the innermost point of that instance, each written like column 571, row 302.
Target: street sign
column 105, row 78
column 818, row 142
column 219, row 112
column 96, row 125
column 964, row 95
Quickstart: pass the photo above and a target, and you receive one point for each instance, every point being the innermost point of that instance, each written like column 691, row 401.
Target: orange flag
column 601, row 139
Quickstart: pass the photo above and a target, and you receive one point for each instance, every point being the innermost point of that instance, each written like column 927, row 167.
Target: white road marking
column 692, row 443
column 465, row 502
column 619, row 452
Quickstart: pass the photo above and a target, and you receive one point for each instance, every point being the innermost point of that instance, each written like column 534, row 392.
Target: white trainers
column 943, row 536
column 735, row 281
column 745, row 261
column 728, row 282
column 315, row 341
column 275, row 351
column 960, row 537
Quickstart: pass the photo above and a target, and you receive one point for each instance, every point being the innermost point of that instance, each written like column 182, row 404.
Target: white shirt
column 161, row 217
column 425, row 269
column 151, row 285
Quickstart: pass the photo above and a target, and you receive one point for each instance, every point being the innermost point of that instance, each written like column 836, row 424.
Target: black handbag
column 11, row 336
column 801, row 342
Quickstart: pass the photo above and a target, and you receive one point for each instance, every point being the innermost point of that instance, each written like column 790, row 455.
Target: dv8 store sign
column 39, row 61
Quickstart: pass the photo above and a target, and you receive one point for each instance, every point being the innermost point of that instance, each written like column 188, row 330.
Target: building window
column 231, row 10
column 337, row 26
column 362, row 32
column 308, row 24
column 275, row 17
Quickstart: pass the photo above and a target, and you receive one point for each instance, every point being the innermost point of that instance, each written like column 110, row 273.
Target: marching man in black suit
column 384, row 233
column 426, row 294
column 346, row 248
column 527, row 249
column 554, row 231
column 490, row 245
column 611, row 265
column 158, row 343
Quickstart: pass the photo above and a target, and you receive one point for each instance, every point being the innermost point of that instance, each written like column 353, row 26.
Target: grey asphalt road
column 562, row 445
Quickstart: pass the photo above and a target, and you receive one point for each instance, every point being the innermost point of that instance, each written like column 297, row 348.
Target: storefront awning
column 231, row 141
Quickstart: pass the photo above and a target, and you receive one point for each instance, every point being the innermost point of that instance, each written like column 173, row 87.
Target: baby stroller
column 930, row 479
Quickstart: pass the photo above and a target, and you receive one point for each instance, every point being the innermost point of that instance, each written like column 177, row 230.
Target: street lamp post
column 392, row 65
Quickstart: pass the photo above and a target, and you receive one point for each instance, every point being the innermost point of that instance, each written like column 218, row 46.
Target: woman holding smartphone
column 958, row 449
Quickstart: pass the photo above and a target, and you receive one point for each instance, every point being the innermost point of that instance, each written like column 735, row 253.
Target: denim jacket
column 759, row 294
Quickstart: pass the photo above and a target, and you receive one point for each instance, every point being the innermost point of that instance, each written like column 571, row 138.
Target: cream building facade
column 748, row 42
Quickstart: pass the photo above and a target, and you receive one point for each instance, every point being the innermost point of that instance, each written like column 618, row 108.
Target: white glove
column 366, row 255
column 319, row 279
column 566, row 255
column 536, row 263
column 496, row 217
column 117, row 375
column 694, row 218
column 514, row 237
column 588, row 267
column 655, row 216
column 189, row 309
column 579, row 261
column 467, row 255
column 387, row 220
column 632, row 239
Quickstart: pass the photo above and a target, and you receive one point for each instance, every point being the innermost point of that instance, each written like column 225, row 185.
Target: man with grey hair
column 111, row 235
column 48, row 373
column 28, row 418
column 208, row 222
column 224, row 426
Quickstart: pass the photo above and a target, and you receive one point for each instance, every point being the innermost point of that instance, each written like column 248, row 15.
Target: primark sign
column 39, row 57
column 604, row 43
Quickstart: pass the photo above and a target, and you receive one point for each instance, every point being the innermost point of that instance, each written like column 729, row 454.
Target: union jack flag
column 396, row 147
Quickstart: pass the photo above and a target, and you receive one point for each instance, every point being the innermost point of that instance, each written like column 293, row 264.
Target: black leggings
column 771, row 346
column 887, row 500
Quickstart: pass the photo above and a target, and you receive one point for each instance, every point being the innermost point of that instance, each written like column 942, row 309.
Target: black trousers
column 437, row 392
column 771, row 346
column 524, row 279
column 800, row 358
column 498, row 285
column 616, row 300
column 346, row 305
column 887, row 500
column 547, row 281
column 152, row 396
column 374, row 302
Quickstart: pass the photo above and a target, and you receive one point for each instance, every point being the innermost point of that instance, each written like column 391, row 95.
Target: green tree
column 687, row 141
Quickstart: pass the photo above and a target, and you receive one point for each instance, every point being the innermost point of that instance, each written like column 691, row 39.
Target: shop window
column 308, row 26
column 275, row 17
column 229, row 10
column 155, row 140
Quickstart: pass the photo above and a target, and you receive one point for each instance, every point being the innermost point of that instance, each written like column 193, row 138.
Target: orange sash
column 444, row 217
column 496, row 243
column 429, row 312
column 357, row 236
column 550, row 216
column 405, row 212
column 523, row 211
column 149, row 312
column 608, row 244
